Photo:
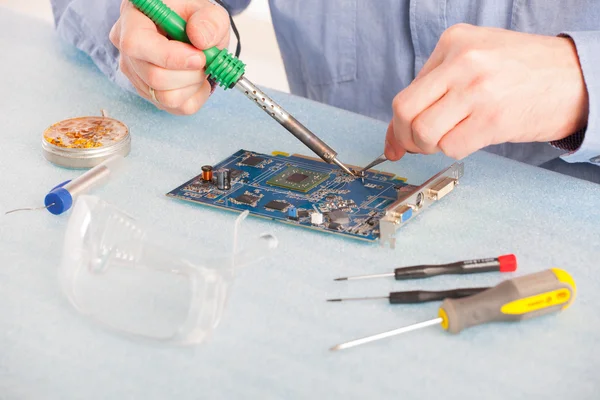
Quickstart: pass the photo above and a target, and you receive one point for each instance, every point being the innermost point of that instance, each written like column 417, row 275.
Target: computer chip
column 303, row 213
column 277, row 205
column 252, row 161
column 340, row 217
column 247, row 198
column 298, row 179
column 236, row 173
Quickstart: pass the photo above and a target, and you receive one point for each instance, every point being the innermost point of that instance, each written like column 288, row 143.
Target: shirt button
column 595, row 160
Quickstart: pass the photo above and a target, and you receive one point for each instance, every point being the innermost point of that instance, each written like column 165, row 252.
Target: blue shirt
column 358, row 54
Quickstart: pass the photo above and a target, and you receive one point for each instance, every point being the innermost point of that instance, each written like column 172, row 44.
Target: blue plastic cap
column 61, row 200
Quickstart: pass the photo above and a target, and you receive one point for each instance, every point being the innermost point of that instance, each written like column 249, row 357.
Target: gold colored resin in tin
column 85, row 132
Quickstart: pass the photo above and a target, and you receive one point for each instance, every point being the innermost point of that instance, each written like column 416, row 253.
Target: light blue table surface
column 275, row 336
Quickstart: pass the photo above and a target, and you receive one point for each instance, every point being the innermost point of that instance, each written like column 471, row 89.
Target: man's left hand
column 484, row 86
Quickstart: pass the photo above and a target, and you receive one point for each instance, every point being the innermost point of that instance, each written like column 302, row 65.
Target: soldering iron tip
column 334, row 299
column 342, row 166
column 340, row 279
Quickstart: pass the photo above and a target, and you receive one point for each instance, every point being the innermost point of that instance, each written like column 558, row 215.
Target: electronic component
column 334, row 226
column 236, row 173
column 253, row 161
column 316, row 218
column 442, row 188
column 339, row 216
column 207, row 173
column 303, row 213
column 373, row 186
column 248, row 199
column 293, row 213
column 404, row 212
column 298, row 179
column 223, row 177
column 277, row 205
column 313, row 187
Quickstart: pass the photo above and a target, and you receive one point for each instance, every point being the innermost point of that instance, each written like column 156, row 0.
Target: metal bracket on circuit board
column 412, row 203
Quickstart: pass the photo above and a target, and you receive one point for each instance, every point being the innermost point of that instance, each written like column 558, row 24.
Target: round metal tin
column 85, row 142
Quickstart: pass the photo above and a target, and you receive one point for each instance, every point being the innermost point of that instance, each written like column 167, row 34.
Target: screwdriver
column 421, row 296
column 506, row 263
column 228, row 71
column 515, row 299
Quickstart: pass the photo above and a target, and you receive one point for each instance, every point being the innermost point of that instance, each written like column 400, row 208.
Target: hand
column 484, row 86
column 173, row 69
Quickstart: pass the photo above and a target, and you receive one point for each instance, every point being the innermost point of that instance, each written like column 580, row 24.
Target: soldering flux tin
column 85, row 142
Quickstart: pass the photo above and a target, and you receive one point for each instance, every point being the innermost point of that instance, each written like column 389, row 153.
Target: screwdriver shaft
column 360, row 298
column 358, row 342
column 352, row 278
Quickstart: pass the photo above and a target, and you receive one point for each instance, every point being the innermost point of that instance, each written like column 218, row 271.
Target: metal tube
column 287, row 120
column 93, row 177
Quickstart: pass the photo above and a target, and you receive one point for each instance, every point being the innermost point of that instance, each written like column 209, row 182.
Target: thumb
column 208, row 26
column 393, row 149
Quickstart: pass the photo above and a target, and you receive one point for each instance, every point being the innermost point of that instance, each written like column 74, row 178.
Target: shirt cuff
column 584, row 146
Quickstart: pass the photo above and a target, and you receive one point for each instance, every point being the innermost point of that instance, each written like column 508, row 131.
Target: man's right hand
column 173, row 69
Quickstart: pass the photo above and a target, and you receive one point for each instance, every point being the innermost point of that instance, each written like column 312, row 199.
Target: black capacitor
column 223, row 176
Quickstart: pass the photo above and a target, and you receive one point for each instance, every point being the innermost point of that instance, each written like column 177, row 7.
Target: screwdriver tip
column 340, row 279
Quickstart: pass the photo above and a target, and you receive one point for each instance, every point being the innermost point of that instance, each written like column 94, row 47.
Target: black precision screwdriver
column 421, row 296
column 506, row 263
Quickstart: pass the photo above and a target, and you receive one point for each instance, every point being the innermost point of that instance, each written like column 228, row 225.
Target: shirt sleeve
column 584, row 146
column 235, row 6
column 86, row 25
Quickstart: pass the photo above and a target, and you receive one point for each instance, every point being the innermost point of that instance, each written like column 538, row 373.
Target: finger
column 194, row 103
column 165, row 79
column 173, row 99
column 416, row 98
column 125, row 4
column 393, row 150
column 208, row 25
column 139, row 85
column 435, row 59
column 433, row 123
column 140, row 39
column 115, row 33
column 464, row 139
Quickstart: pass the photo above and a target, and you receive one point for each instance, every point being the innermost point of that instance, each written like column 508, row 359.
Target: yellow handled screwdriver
column 515, row 299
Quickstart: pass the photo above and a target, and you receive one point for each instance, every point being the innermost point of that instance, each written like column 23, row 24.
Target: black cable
column 238, row 47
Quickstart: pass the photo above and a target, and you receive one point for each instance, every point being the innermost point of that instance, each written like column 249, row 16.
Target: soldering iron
column 228, row 71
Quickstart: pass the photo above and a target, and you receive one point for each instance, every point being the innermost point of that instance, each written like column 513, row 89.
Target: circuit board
column 299, row 190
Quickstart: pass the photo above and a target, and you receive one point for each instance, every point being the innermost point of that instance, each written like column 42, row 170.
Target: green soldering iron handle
column 223, row 67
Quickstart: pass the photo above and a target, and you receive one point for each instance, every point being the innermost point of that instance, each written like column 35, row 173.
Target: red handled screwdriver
column 505, row 263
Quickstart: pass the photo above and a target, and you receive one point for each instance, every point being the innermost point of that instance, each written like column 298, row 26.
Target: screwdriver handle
column 223, row 67
column 512, row 300
column 423, row 296
column 506, row 263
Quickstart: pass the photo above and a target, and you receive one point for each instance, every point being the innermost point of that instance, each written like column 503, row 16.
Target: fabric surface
column 274, row 338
